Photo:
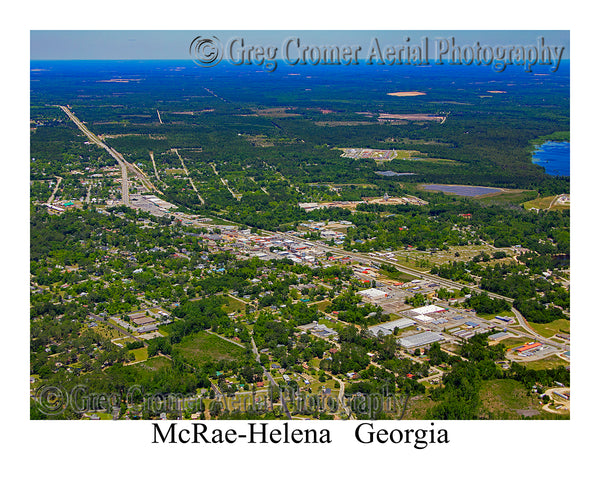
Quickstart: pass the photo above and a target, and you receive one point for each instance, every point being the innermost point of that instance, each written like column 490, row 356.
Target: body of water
column 555, row 157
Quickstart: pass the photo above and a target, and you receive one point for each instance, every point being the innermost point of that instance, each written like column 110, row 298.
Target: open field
column 541, row 203
column 490, row 316
column 418, row 406
column 554, row 202
column 406, row 94
column 506, row 197
column 416, row 141
column 203, row 347
column 233, row 305
column 342, row 123
column 140, row 354
column 424, row 159
column 411, row 117
column 549, row 329
column 423, row 261
column 548, row 362
column 154, row 363
column 276, row 112
column 462, row 190
column 322, row 305
column 508, row 399
column 107, row 332
column 513, row 342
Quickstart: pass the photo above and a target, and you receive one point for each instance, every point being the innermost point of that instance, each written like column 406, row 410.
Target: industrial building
column 498, row 336
column 140, row 318
column 373, row 293
column 388, row 327
column 421, row 339
column 427, row 309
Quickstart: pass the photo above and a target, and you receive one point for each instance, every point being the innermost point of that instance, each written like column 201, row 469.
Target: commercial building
column 498, row 336
column 388, row 327
column 421, row 339
column 427, row 310
column 527, row 347
column 373, row 293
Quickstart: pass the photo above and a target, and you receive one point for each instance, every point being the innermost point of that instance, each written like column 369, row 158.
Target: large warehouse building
column 421, row 339
column 427, row 309
column 388, row 327
column 373, row 293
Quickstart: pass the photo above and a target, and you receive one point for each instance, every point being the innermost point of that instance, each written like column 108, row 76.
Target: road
column 227, row 339
column 427, row 276
column 368, row 260
column 523, row 323
column 155, row 170
column 187, row 174
column 271, row 379
column 98, row 318
column 124, row 164
column 113, row 153
column 51, row 199
column 364, row 258
column 341, row 398
column 237, row 196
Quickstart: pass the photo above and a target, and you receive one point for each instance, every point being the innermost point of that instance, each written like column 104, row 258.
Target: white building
column 373, row 293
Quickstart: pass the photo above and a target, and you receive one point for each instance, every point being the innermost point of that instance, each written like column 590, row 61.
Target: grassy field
column 513, row 342
column 540, row 203
column 504, row 397
column 232, row 305
column 423, row 261
column 106, row 331
column 543, row 203
column 549, row 362
column 140, row 354
column 417, row 407
column 154, row 363
column 322, row 305
column 203, row 347
column 491, row 316
column 515, row 197
column 549, row 329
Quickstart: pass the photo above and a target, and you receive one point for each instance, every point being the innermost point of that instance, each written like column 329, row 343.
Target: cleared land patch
column 406, row 94
column 411, row 117
column 202, row 347
column 547, row 330
column 462, row 190
column 508, row 399
column 553, row 202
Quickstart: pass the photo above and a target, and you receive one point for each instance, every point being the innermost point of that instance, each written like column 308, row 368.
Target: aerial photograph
column 300, row 225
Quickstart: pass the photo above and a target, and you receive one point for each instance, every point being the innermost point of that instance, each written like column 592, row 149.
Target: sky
column 175, row 44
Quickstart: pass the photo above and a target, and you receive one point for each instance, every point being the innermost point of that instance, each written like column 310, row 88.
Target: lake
column 555, row 157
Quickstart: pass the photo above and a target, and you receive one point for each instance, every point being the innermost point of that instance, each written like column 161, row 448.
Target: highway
column 368, row 260
column 124, row 164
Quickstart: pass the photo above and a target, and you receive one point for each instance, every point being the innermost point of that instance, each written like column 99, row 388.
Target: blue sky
column 167, row 44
